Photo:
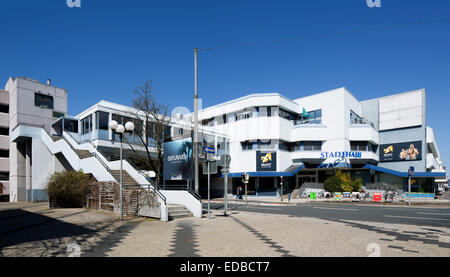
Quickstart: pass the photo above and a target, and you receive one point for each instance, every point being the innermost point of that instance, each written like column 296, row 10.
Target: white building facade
column 309, row 138
column 304, row 141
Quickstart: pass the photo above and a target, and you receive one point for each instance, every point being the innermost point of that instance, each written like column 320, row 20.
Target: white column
column 29, row 187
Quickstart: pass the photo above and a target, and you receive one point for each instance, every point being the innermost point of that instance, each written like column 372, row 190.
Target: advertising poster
column 346, row 195
column 397, row 152
column 266, row 161
column 377, row 196
column 337, row 196
column 177, row 159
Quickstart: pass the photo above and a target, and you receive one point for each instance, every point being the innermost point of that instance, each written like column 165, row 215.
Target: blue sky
column 108, row 47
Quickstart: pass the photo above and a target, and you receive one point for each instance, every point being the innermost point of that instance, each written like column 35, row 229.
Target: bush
column 342, row 182
column 68, row 189
column 333, row 184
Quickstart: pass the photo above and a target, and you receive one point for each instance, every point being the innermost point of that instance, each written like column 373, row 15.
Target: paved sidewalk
column 34, row 230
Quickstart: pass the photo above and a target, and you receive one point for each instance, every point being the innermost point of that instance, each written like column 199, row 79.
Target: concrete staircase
column 127, row 179
column 178, row 211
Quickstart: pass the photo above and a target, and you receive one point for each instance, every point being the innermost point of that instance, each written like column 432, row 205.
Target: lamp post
column 120, row 129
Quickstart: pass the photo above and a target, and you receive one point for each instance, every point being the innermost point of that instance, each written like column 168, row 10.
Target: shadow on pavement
column 20, row 226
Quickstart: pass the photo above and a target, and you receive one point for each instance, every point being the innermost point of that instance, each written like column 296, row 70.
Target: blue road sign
column 210, row 150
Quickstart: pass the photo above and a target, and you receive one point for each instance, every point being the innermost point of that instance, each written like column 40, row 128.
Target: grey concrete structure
column 35, row 104
column 4, row 142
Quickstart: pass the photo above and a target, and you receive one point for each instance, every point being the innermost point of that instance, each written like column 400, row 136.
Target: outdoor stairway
column 177, row 211
column 127, row 179
column 82, row 154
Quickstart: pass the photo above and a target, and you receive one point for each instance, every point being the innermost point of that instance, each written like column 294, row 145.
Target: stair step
column 178, row 211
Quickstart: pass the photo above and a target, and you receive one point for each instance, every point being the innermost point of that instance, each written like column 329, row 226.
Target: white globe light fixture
column 113, row 125
column 120, row 129
column 129, row 126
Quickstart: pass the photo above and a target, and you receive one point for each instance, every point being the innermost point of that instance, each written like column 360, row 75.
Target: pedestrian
column 289, row 196
column 238, row 192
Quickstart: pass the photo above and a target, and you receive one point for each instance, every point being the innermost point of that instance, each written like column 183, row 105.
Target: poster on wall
column 397, row 152
column 177, row 159
column 266, row 161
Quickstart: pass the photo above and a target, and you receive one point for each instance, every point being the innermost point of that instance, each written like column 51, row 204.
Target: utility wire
column 327, row 34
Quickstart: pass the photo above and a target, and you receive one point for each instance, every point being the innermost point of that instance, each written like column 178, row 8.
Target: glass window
column 312, row 117
column 308, row 146
column 102, row 121
column 86, row 125
column 44, row 101
column 269, row 111
column 359, row 146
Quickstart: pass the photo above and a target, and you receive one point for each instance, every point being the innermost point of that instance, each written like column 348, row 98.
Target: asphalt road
column 438, row 217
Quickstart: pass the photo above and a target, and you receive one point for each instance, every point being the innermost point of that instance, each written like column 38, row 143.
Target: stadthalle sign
column 341, row 154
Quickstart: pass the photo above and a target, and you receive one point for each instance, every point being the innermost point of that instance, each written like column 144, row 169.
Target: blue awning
column 405, row 174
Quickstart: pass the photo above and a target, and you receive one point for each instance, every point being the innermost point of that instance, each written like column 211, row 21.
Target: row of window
column 306, row 117
column 281, row 145
column 102, row 123
column 360, row 146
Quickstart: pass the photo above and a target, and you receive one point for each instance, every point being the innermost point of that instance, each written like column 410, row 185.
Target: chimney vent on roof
column 49, row 82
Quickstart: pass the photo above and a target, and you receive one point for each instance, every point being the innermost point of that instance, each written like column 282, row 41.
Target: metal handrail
column 183, row 187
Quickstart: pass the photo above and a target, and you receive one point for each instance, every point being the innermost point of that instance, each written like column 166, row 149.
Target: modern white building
column 269, row 136
column 305, row 140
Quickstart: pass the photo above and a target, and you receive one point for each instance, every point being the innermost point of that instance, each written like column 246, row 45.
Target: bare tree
column 152, row 121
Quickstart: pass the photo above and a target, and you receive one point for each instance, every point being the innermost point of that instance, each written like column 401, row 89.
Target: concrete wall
column 22, row 109
column 407, row 128
column 4, row 142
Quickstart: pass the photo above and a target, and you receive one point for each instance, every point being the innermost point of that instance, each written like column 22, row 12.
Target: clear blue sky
column 107, row 47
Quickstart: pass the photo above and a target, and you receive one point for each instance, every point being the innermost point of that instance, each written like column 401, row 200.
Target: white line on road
column 341, row 209
column 433, row 213
column 424, row 218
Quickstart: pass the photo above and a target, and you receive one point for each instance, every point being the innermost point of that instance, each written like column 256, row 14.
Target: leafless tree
column 152, row 121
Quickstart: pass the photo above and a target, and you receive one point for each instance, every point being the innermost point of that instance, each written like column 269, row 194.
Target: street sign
column 209, row 150
column 225, row 159
column 313, row 195
column 212, row 167
column 411, row 171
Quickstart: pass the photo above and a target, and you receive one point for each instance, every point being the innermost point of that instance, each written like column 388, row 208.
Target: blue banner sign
column 420, row 195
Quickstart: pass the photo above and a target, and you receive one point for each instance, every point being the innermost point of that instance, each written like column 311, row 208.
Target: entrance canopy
column 405, row 174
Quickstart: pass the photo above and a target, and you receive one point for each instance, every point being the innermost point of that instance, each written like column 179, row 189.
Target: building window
column 4, row 131
column 312, row 117
column 359, row 146
column 4, row 176
column 307, row 146
column 86, row 125
column 43, row 101
column 4, row 153
column 102, row 120
column 224, row 118
column 4, row 108
column 269, row 111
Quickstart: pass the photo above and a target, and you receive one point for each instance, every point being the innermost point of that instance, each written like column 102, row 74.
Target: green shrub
column 357, row 184
column 333, row 184
column 68, row 189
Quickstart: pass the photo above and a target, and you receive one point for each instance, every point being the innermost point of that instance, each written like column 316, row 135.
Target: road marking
column 425, row 218
column 341, row 209
column 263, row 208
column 432, row 213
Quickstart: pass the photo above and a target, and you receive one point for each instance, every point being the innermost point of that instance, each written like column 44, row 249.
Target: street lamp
column 120, row 129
